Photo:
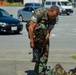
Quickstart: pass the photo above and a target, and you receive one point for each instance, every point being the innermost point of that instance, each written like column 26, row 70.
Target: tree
column 10, row 1
column 43, row 2
column 70, row 0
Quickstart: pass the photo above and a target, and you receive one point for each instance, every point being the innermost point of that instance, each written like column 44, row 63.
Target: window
column 48, row 3
column 59, row 4
column 65, row 3
column 31, row 9
column 26, row 9
column 53, row 3
column 4, row 13
column 28, row 4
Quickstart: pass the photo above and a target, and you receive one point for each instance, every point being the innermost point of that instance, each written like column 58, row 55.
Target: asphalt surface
column 63, row 36
column 63, row 46
column 19, row 62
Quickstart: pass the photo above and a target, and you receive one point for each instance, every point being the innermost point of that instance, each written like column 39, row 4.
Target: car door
column 26, row 13
column 31, row 11
column 59, row 5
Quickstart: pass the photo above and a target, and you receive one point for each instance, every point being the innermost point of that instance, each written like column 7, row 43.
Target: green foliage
column 74, row 56
column 10, row 1
column 70, row 0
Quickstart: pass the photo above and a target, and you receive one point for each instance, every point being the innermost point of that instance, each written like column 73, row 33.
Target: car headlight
column 3, row 24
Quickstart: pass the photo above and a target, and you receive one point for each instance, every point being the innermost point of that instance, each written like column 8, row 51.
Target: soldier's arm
column 31, row 30
column 47, row 36
column 50, row 27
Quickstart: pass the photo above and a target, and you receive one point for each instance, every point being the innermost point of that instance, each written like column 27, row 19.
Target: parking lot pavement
column 18, row 62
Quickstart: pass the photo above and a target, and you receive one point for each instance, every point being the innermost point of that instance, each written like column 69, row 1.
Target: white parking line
column 52, row 35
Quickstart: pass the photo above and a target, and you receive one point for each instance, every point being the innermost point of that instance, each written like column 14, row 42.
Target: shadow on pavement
column 73, row 71
column 10, row 33
column 30, row 72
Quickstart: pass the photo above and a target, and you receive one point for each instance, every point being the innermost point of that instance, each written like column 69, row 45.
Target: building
column 74, row 2
column 26, row 1
column 3, row 2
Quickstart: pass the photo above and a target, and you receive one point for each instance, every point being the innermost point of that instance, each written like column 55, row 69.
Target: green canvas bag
column 57, row 70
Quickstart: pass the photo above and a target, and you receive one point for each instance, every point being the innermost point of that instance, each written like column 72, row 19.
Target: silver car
column 26, row 13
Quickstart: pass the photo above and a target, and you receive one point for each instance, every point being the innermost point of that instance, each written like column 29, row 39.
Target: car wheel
column 20, row 18
column 68, row 13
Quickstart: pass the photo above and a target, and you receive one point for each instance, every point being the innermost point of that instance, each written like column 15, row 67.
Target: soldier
column 40, row 26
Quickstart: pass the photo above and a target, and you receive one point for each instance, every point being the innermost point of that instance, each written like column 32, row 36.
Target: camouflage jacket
column 40, row 16
column 42, row 24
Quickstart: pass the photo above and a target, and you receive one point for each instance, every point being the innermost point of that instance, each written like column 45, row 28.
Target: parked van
column 64, row 5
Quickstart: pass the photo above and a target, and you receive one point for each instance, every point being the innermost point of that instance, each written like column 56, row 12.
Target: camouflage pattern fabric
column 40, row 32
column 40, row 16
column 39, row 37
column 43, row 23
column 40, row 66
column 59, row 70
column 72, row 71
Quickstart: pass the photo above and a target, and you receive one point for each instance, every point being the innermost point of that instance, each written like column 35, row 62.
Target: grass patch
column 74, row 56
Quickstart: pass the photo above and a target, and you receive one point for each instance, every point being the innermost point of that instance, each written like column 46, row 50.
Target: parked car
column 26, row 13
column 8, row 23
column 65, row 6
column 34, row 4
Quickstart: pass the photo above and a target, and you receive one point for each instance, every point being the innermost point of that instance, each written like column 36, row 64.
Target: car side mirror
column 11, row 15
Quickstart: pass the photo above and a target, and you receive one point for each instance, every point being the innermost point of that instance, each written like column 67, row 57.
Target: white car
column 65, row 6
column 26, row 13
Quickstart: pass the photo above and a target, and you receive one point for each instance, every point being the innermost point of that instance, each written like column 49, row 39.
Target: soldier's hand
column 32, row 44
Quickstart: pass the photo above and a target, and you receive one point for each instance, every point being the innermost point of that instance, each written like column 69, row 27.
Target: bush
column 74, row 56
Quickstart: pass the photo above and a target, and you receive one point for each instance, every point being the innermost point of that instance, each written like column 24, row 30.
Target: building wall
column 26, row 1
column 3, row 2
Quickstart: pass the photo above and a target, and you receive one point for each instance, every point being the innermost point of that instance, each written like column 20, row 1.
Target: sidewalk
column 18, row 62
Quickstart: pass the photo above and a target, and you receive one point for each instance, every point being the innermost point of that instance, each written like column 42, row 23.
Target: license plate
column 13, row 28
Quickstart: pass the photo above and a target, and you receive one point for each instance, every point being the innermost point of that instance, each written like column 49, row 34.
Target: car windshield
column 65, row 3
column 4, row 13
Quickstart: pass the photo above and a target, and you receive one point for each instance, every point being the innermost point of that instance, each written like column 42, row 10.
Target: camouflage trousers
column 40, row 65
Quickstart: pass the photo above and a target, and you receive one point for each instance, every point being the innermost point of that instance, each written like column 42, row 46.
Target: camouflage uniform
column 59, row 70
column 43, row 23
